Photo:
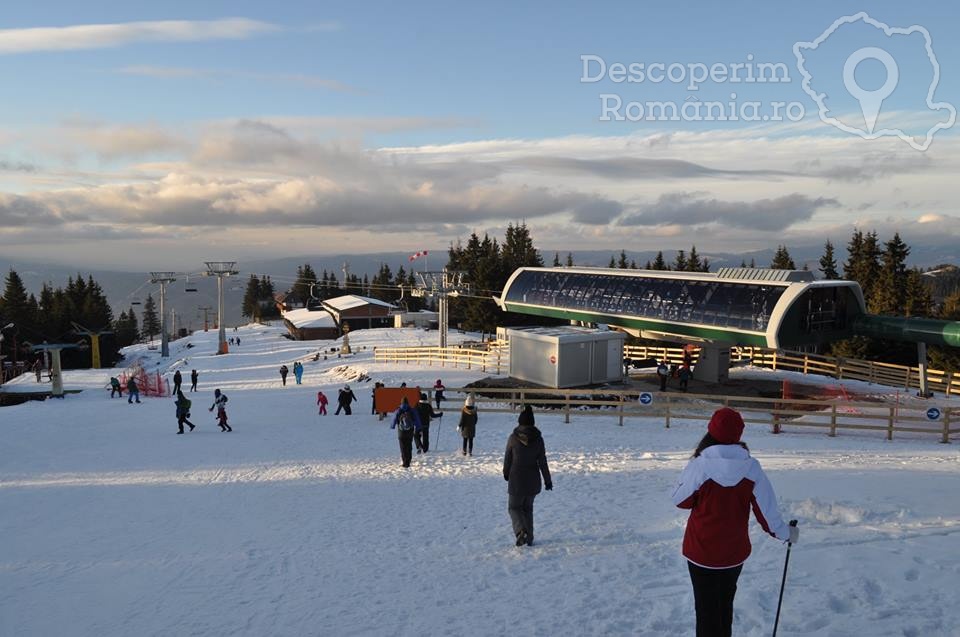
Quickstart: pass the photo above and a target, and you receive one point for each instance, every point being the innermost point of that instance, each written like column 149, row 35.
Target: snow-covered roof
column 350, row 301
column 310, row 318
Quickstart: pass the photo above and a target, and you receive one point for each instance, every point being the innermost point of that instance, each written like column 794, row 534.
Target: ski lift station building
column 562, row 357
column 778, row 309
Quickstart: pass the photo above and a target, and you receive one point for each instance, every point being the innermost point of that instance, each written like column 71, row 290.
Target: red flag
column 417, row 255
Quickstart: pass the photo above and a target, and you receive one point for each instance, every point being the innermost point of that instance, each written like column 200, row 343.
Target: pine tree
column 919, row 301
column 613, row 262
column 680, row 262
column 250, row 307
column 622, row 262
column 14, row 304
column 556, row 259
column 570, row 259
column 150, row 323
column 828, row 263
column 306, row 278
column 888, row 291
column 633, row 264
column 648, row 265
column 659, row 263
column 693, row 261
column 782, row 260
column 753, row 263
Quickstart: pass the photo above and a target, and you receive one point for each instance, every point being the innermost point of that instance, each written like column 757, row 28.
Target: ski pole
column 783, row 582
column 439, row 425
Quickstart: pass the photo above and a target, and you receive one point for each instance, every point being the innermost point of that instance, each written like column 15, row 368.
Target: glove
column 211, row 409
column 794, row 534
column 549, row 487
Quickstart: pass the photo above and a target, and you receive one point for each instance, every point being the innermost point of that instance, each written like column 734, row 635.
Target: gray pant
column 521, row 513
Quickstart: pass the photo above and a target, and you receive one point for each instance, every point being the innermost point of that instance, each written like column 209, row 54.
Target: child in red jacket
column 322, row 401
column 720, row 485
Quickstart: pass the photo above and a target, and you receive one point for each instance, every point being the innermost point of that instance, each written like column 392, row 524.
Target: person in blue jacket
column 406, row 421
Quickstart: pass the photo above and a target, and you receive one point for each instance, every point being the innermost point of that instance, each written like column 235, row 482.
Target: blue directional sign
column 933, row 413
column 646, row 398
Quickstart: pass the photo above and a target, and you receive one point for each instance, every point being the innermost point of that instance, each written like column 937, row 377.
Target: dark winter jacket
column 396, row 421
column 524, row 462
column 132, row 385
column 183, row 406
column 468, row 422
column 346, row 397
column 178, row 377
column 426, row 412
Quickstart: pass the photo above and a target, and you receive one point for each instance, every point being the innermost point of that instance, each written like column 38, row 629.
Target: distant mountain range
column 125, row 289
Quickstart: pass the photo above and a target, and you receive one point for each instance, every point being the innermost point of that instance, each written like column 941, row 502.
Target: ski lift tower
column 221, row 269
column 441, row 286
column 94, row 342
column 163, row 278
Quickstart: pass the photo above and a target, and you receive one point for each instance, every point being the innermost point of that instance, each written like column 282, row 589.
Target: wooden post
column 667, row 410
column 566, row 409
column 833, row 420
column 806, row 363
column 621, row 410
column 776, row 418
column 890, row 422
column 839, row 363
column 946, row 427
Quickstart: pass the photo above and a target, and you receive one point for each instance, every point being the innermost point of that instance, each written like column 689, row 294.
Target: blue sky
column 480, row 107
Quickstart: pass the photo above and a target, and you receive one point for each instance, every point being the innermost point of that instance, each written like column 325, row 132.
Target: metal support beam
column 922, row 364
column 441, row 286
column 163, row 278
column 221, row 269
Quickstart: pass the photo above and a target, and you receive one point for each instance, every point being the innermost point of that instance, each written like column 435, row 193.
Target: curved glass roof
column 724, row 304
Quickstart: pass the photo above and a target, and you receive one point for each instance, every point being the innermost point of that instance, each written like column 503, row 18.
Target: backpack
column 405, row 420
column 187, row 403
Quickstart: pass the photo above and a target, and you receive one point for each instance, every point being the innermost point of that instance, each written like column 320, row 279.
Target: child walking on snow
column 220, row 402
column 322, row 401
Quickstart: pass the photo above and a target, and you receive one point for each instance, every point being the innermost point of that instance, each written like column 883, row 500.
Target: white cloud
column 101, row 36
column 298, row 79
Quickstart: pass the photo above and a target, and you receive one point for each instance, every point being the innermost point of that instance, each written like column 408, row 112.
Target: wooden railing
column 840, row 368
column 493, row 360
column 832, row 416
column 496, row 360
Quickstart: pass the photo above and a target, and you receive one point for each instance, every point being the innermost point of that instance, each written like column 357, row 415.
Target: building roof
column 350, row 301
column 310, row 318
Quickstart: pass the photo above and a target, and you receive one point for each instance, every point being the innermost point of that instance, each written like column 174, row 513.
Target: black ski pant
column 713, row 592
column 176, row 387
column 116, row 390
column 193, row 386
column 663, row 383
column 344, row 407
column 422, row 438
column 468, row 445
column 180, row 422
column 520, row 508
column 406, row 447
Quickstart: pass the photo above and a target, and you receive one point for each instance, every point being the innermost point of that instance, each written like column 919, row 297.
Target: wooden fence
column 840, row 368
column 832, row 416
column 493, row 360
column 496, row 360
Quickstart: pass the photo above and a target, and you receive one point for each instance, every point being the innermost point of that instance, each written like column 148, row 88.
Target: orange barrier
column 388, row 399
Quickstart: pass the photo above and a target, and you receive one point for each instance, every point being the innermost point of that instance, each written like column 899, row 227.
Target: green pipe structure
column 909, row 329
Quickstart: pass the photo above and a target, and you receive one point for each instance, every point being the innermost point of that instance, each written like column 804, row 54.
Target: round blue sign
column 933, row 413
column 646, row 398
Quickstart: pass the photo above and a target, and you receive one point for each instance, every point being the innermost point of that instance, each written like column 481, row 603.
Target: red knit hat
column 726, row 426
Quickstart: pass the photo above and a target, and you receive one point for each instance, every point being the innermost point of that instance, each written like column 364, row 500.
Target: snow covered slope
column 297, row 524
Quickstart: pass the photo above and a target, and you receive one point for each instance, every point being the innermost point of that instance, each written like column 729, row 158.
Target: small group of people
column 133, row 390
column 234, row 340
column 183, row 405
column 344, row 400
column 178, row 381
column 297, row 373
column 666, row 371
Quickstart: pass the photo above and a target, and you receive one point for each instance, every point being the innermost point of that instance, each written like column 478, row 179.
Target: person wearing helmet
column 344, row 399
column 438, row 393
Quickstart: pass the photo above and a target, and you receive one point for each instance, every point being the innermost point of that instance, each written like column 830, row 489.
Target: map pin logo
column 870, row 101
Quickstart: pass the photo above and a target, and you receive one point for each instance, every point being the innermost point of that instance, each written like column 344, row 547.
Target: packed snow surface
column 297, row 524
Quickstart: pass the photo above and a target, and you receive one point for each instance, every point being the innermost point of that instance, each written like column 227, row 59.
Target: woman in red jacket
column 720, row 485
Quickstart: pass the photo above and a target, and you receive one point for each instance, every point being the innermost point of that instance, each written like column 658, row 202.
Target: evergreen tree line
column 51, row 317
column 258, row 301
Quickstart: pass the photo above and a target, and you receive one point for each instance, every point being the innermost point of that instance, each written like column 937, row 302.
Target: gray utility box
column 561, row 357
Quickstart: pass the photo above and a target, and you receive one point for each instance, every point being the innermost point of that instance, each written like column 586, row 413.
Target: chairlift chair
column 187, row 286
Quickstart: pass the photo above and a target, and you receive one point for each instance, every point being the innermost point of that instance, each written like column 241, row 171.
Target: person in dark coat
column 183, row 412
column 684, row 374
column 719, row 486
column 115, row 387
column 523, row 464
column 133, row 392
column 438, row 392
column 177, row 381
column 194, row 376
column 344, row 398
column 406, row 421
column 283, row 374
column 426, row 412
column 468, row 425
